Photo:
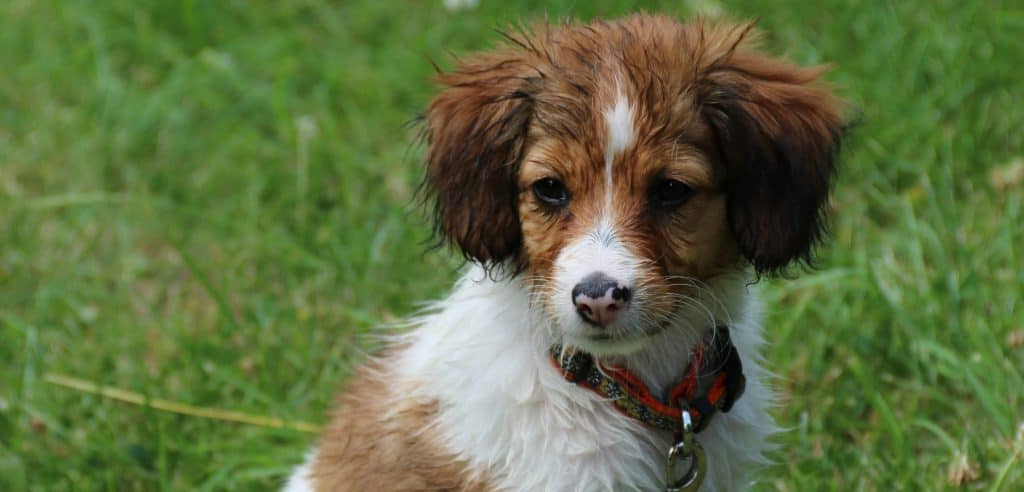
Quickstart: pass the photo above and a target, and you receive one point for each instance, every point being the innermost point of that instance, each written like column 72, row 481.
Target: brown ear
column 779, row 134
column 476, row 130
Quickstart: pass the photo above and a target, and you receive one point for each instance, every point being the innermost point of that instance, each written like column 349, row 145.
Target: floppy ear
column 476, row 130
column 779, row 134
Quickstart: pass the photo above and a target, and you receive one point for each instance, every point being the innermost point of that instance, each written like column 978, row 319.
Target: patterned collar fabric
column 712, row 382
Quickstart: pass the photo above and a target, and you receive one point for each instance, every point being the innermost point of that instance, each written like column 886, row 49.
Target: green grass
column 208, row 202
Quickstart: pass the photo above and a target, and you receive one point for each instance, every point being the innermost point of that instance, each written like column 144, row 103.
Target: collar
column 712, row 382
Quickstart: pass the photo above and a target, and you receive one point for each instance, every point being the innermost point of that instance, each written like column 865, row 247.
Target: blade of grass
column 175, row 407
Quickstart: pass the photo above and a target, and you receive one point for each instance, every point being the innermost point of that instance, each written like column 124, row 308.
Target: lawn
column 211, row 203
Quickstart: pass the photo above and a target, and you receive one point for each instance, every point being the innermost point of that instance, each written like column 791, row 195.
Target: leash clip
column 686, row 447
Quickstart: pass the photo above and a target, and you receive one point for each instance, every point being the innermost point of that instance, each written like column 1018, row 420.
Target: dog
column 618, row 188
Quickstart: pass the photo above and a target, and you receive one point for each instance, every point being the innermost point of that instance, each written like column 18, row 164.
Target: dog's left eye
column 669, row 194
column 551, row 191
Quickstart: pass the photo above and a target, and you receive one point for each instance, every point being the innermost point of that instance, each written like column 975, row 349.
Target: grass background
column 209, row 202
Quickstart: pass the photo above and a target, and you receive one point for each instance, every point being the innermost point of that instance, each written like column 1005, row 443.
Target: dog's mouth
column 617, row 342
column 628, row 335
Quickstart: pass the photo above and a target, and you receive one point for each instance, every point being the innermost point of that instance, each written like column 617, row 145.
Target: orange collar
column 715, row 359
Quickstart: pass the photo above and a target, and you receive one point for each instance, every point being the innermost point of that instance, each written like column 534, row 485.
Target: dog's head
column 616, row 165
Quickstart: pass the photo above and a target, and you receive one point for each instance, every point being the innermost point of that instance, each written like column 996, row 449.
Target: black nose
column 599, row 299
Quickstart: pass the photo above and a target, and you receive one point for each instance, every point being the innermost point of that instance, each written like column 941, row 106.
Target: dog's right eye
column 670, row 194
column 551, row 192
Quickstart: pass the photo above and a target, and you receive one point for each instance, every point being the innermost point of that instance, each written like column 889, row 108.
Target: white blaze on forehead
column 619, row 119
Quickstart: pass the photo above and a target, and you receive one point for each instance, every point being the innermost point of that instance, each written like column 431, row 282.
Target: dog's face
column 619, row 165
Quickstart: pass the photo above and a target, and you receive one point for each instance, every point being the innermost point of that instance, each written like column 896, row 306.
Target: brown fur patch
column 476, row 132
column 382, row 440
column 778, row 133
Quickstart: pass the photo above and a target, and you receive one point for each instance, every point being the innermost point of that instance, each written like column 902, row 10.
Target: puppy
column 618, row 188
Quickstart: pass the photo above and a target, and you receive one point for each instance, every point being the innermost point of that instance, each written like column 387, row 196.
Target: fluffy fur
column 671, row 157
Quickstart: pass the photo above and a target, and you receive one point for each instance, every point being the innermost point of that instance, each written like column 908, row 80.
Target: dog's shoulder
column 378, row 440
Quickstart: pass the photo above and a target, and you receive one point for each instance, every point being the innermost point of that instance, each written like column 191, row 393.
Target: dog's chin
column 601, row 346
column 612, row 343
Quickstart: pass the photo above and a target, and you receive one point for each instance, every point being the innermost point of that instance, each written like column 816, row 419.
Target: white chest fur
column 481, row 353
